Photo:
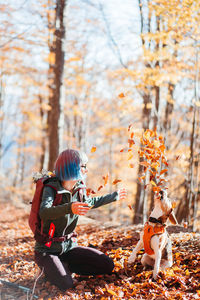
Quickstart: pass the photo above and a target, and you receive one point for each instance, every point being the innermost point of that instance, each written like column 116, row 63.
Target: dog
column 154, row 237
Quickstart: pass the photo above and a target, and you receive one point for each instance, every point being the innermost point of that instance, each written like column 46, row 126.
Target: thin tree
column 56, row 67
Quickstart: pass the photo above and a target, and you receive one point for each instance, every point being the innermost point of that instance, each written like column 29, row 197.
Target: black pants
column 79, row 260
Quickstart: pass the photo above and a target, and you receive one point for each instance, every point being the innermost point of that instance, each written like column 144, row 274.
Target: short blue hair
column 68, row 165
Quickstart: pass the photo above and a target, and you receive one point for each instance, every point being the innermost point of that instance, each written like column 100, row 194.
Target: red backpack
column 34, row 221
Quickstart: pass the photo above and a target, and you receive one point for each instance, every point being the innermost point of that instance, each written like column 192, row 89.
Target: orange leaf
column 130, row 155
column 177, row 157
column 130, row 206
column 156, row 189
column 131, row 142
column 121, row 95
column 162, row 148
column 100, row 187
column 89, row 191
column 153, row 173
column 174, row 204
column 131, row 165
column 153, row 183
column 116, row 181
column 163, row 171
column 141, row 178
column 93, row 149
column 105, row 178
column 122, row 150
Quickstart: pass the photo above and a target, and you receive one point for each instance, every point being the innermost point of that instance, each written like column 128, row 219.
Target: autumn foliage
column 153, row 156
column 180, row 282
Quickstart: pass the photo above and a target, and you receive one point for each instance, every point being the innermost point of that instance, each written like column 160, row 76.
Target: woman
column 62, row 257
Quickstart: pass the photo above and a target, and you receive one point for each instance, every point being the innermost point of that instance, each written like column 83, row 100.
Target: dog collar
column 154, row 220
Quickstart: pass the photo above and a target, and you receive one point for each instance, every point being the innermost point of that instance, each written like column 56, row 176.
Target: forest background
column 109, row 78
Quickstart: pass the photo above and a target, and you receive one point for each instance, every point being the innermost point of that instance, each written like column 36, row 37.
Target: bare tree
column 56, row 66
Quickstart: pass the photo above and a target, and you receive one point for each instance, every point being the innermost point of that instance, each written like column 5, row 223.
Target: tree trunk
column 141, row 194
column 44, row 135
column 55, row 80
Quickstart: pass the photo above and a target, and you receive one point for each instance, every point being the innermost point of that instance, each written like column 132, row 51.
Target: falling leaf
column 174, row 204
column 93, row 149
column 131, row 165
column 89, row 191
column 105, row 178
column 99, row 188
column 163, row 171
column 121, row 95
column 153, row 183
column 122, row 150
column 131, row 142
column 141, row 178
column 156, row 189
column 129, row 205
column 162, row 148
column 130, row 155
column 116, row 181
column 177, row 157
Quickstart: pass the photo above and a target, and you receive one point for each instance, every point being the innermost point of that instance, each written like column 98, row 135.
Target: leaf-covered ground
column 182, row 281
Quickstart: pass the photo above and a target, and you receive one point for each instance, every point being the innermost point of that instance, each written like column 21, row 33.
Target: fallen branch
column 14, row 285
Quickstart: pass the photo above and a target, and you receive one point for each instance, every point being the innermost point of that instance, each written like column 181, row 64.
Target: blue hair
column 68, row 165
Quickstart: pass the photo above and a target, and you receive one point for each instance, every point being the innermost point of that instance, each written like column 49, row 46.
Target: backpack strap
column 58, row 197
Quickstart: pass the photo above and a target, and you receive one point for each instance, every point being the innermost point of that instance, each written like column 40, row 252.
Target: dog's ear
column 172, row 218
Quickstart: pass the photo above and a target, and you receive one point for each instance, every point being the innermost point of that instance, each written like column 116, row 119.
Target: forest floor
column 182, row 281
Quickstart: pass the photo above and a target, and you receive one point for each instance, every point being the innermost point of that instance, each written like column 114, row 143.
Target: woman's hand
column 122, row 194
column 80, row 208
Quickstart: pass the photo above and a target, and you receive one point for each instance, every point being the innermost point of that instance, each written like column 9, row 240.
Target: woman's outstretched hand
column 122, row 194
column 80, row 208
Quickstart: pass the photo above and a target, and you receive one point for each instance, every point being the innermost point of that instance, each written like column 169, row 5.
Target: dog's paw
column 131, row 259
column 155, row 275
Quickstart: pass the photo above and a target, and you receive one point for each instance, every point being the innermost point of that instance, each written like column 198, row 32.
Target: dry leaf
column 116, row 181
column 129, row 205
column 105, row 178
column 99, row 188
column 163, row 171
column 93, row 149
column 121, row 95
